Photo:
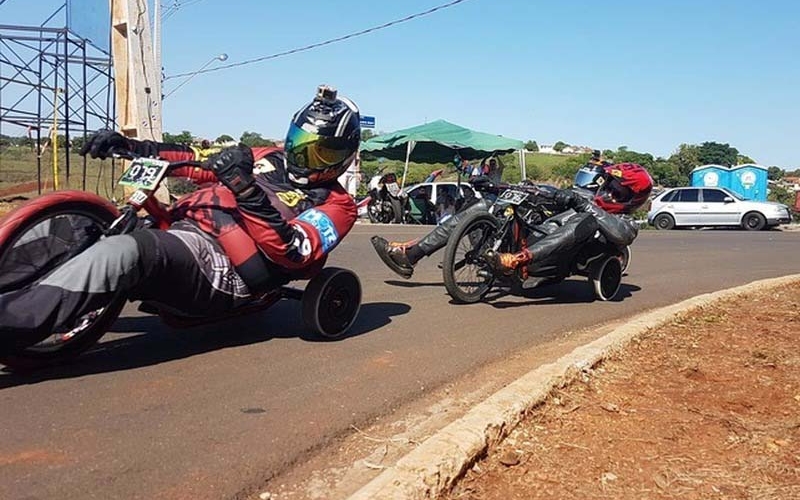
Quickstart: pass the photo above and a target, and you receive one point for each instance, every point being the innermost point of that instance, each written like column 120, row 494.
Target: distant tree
column 223, row 139
column 667, row 173
column 744, row 159
column 781, row 195
column 77, row 143
column 608, row 154
column 21, row 141
column 775, row 173
column 626, row 156
column 531, row 146
column 622, row 148
column 367, row 134
column 717, row 154
column 686, row 158
column 254, row 140
column 570, row 166
column 559, row 146
column 185, row 137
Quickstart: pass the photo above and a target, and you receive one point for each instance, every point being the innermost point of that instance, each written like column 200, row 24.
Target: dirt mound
column 705, row 407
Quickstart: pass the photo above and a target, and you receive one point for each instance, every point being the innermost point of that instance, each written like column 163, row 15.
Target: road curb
column 431, row 468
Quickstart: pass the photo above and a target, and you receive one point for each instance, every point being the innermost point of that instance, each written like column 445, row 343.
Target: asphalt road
column 213, row 412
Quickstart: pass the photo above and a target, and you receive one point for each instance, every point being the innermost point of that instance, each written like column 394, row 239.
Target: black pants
column 556, row 240
column 564, row 239
column 437, row 238
column 183, row 270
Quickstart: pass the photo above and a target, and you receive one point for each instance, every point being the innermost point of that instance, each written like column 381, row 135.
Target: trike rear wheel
column 606, row 277
column 625, row 258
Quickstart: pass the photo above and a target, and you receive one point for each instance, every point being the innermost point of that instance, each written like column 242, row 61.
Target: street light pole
column 221, row 57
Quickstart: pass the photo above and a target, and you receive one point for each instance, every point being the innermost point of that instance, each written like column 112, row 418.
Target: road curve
column 214, row 412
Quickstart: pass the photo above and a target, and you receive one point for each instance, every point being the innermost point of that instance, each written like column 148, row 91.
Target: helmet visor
column 586, row 178
column 316, row 152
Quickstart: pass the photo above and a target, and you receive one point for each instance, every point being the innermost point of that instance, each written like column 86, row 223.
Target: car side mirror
column 728, row 199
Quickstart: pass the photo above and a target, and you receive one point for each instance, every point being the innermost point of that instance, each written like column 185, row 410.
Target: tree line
column 676, row 169
column 252, row 139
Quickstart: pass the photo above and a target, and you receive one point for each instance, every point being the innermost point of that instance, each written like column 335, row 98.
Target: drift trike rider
column 270, row 216
column 600, row 192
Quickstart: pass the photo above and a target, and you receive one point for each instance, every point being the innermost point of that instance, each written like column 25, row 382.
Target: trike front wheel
column 467, row 276
column 331, row 302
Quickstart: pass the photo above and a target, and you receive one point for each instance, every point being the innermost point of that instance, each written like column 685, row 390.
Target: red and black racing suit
column 216, row 255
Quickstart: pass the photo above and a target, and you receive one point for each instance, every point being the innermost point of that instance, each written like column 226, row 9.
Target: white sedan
column 713, row 206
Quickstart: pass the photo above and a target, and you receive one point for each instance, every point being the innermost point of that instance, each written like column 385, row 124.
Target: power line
column 170, row 10
column 320, row 44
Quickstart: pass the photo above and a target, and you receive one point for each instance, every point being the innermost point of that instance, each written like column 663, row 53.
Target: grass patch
column 20, row 166
column 540, row 167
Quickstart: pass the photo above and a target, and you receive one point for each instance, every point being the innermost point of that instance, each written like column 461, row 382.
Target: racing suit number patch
column 324, row 226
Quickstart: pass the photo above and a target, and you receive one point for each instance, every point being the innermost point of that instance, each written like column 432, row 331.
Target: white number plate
column 144, row 173
column 393, row 188
column 513, row 197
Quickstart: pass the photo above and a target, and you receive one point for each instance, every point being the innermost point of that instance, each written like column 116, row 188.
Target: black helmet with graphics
column 323, row 139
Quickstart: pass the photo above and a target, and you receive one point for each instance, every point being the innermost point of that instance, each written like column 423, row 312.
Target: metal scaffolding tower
column 53, row 81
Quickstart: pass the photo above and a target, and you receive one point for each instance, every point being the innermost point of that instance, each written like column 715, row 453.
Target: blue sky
column 646, row 74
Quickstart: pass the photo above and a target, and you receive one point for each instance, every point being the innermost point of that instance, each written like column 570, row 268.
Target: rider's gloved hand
column 104, row 143
column 234, row 168
column 566, row 198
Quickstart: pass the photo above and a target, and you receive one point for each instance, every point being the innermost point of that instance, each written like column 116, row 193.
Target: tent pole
column 522, row 165
column 409, row 147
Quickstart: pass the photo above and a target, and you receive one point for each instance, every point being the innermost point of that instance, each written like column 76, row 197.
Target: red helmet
column 624, row 188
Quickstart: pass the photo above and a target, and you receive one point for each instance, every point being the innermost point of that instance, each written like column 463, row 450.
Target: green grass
column 554, row 169
column 543, row 164
column 19, row 166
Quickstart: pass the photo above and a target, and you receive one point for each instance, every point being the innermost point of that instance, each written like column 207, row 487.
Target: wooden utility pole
column 137, row 79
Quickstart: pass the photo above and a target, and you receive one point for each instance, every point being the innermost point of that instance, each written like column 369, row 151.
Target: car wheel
column 664, row 222
column 754, row 221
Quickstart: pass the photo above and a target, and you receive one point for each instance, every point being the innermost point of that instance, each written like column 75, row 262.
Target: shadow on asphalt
column 414, row 284
column 571, row 291
column 139, row 341
column 567, row 292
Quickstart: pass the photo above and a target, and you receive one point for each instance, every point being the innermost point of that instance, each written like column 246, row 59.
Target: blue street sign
column 367, row 121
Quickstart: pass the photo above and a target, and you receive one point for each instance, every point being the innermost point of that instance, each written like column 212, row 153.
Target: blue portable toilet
column 750, row 181
column 711, row 176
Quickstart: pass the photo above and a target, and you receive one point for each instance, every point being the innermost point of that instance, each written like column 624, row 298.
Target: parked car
column 713, row 206
column 433, row 202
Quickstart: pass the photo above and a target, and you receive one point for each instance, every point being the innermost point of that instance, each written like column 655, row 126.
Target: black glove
column 104, row 143
column 234, row 168
column 566, row 198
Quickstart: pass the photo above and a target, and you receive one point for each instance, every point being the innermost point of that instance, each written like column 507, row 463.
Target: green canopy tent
column 438, row 142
